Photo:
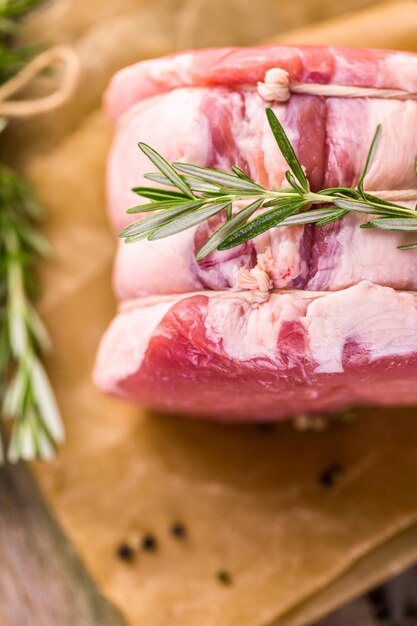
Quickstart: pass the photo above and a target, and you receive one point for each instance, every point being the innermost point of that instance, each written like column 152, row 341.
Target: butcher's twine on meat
column 257, row 281
column 10, row 107
column 277, row 87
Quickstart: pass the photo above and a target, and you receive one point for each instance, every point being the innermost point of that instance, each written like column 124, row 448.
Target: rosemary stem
column 321, row 198
column 16, row 296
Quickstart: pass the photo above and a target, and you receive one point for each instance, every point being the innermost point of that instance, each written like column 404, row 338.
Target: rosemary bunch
column 202, row 193
column 14, row 58
column 26, row 399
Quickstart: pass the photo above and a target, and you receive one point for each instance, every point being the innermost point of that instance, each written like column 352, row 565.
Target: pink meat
column 187, row 331
column 218, row 356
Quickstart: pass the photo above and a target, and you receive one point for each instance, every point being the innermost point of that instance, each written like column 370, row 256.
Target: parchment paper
column 251, row 499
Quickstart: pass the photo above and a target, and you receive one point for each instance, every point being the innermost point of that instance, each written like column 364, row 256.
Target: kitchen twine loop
column 10, row 107
column 276, row 86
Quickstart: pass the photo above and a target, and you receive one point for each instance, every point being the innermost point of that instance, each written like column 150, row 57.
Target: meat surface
column 339, row 327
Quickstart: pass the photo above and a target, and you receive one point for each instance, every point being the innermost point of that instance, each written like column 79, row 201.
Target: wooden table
column 42, row 581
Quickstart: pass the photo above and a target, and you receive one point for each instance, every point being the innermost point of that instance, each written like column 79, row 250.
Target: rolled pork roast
column 300, row 320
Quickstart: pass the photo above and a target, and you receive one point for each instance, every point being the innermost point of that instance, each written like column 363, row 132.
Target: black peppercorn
column 149, row 543
column 265, row 427
column 178, row 530
column 124, row 552
column 331, row 475
column 224, row 577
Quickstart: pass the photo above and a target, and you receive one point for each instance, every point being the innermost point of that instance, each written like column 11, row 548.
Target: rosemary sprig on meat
column 200, row 193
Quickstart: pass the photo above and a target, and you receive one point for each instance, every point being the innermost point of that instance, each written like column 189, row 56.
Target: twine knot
column 276, row 85
column 257, row 281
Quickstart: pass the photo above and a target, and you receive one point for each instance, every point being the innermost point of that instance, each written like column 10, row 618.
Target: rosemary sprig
column 202, row 193
column 27, row 398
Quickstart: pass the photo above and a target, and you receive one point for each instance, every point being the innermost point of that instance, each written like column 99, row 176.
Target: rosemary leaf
column 332, row 218
column 292, row 181
column 408, row 225
column 158, row 219
column 227, row 229
column 369, row 159
column 216, row 178
column 376, row 209
column 241, row 174
column 372, row 200
column 193, row 184
column 260, row 224
column 165, row 168
column 286, row 148
column 410, row 246
column 309, row 217
column 189, row 220
column 341, row 191
column 45, row 400
column 157, row 206
column 287, row 194
column 155, row 193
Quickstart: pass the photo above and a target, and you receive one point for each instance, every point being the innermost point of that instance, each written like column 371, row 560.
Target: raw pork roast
column 338, row 327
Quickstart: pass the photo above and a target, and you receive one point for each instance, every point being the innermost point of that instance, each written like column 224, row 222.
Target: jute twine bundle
column 12, row 107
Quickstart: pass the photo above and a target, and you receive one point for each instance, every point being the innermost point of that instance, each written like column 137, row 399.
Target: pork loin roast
column 338, row 325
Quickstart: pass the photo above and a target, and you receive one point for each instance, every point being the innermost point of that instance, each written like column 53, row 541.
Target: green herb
column 27, row 400
column 203, row 193
column 14, row 58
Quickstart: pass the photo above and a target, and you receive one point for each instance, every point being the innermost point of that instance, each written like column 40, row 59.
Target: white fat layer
column 348, row 142
column 125, row 344
column 173, row 125
column 340, row 267
column 393, row 166
column 380, row 319
column 257, row 145
column 172, row 70
column 404, row 68
column 138, row 272
column 245, row 331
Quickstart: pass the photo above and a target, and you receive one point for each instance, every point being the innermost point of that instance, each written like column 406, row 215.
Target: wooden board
column 42, row 581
